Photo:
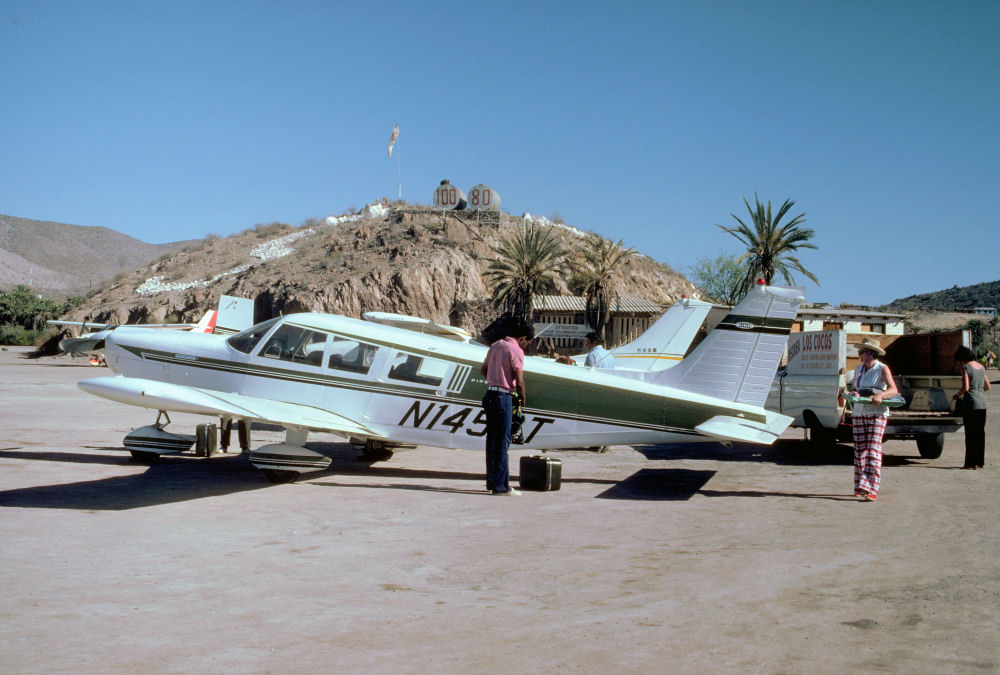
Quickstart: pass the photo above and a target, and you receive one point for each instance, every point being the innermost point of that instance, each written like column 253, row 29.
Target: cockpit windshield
column 246, row 340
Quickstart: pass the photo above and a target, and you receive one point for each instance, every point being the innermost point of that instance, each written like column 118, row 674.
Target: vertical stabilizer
column 738, row 359
column 664, row 344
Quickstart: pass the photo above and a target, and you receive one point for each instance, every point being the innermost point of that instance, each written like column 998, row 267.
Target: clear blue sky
column 647, row 121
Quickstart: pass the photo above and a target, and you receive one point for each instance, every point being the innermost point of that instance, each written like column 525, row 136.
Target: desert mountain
column 391, row 257
column 61, row 259
column 960, row 298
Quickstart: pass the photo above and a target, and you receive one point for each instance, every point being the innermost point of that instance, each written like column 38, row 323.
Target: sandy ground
column 691, row 558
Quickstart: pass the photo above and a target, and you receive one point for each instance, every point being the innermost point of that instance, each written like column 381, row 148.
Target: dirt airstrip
column 686, row 558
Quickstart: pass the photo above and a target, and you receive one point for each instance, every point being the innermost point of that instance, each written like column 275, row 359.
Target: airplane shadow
column 173, row 479
column 71, row 457
column 179, row 478
column 762, row 493
column 784, row 452
column 675, row 485
column 682, row 484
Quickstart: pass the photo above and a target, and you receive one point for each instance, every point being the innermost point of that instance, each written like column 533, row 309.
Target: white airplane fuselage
column 568, row 407
column 393, row 387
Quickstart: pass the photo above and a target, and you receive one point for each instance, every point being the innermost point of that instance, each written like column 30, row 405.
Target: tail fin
column 664, row 344
column 738, row 359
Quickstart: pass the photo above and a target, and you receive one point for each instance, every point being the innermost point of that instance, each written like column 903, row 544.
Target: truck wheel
column 930, row 446
column 819, row 434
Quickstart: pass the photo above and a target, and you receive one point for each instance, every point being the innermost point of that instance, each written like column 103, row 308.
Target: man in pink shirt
column 504, row 373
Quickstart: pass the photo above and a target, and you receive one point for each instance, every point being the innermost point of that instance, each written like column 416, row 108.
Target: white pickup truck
column 820, row 366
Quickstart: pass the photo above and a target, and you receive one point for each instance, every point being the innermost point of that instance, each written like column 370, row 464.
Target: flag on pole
column 392, row 139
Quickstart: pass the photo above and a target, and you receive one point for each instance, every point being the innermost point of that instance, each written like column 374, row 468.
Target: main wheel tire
column 375, row 451
column 144, row 457
column 930, row 446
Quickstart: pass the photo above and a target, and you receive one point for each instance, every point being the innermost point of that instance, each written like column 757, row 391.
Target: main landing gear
column 280, row 462
column 147, row 444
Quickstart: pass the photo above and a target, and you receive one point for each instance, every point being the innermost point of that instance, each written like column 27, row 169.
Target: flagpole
column 399, row 178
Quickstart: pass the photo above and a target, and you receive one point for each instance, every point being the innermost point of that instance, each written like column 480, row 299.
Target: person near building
column 873, row 379
column 597, row 355
column 503, row 371
column 971, row 402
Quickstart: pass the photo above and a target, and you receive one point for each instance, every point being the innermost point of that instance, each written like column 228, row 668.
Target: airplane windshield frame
column 246, row 340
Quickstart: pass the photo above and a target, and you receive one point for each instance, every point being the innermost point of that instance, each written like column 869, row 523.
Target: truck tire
column 819, row 434
column 930, row 445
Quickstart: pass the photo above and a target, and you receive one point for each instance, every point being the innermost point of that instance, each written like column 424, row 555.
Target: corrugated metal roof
column 830, row 311
column 576, row 303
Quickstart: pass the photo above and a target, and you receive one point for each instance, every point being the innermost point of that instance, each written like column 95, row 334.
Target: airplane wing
column 728, row 428
column 85, row 325
column 179, row 398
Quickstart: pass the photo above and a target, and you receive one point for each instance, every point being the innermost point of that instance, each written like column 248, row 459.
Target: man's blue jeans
column 497, row 405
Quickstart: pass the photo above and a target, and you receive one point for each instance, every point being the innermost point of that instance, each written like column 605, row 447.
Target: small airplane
column 235, row 313
column 392, row 387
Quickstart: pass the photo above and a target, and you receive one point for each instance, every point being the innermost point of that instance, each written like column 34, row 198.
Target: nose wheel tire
column 278, row 476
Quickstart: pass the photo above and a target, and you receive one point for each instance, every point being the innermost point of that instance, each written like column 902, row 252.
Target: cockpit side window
column 246, row 340
column 418, row 369
column 351, row 355
column 296, row 345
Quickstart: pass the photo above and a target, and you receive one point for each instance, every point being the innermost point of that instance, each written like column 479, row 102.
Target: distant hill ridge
column 957, row 298
column 394, row 257
column 56, row 258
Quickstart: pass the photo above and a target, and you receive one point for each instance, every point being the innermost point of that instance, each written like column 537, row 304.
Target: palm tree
column 599, row 267
column 527, row 263
column 770, row 244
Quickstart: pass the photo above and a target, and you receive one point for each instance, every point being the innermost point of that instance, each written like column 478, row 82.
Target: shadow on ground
column 783, row 452
column 172, row 479
column 673, row 485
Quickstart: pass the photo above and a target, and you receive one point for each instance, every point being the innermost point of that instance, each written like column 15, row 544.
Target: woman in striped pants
column 872, row 378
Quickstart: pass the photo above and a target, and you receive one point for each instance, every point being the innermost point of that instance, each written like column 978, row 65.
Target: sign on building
column 570, row 331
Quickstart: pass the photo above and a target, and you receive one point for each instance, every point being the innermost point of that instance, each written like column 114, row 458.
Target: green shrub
column 12, row 334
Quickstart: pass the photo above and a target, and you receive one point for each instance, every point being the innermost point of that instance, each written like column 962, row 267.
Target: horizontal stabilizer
column 728, row 428
column 178, row 398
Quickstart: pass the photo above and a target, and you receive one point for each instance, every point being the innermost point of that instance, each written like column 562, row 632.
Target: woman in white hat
column 872, row 378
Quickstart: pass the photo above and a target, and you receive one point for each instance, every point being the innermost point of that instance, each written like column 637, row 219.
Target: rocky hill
column 391, row 257
column 60, row 259
column 958, row 298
